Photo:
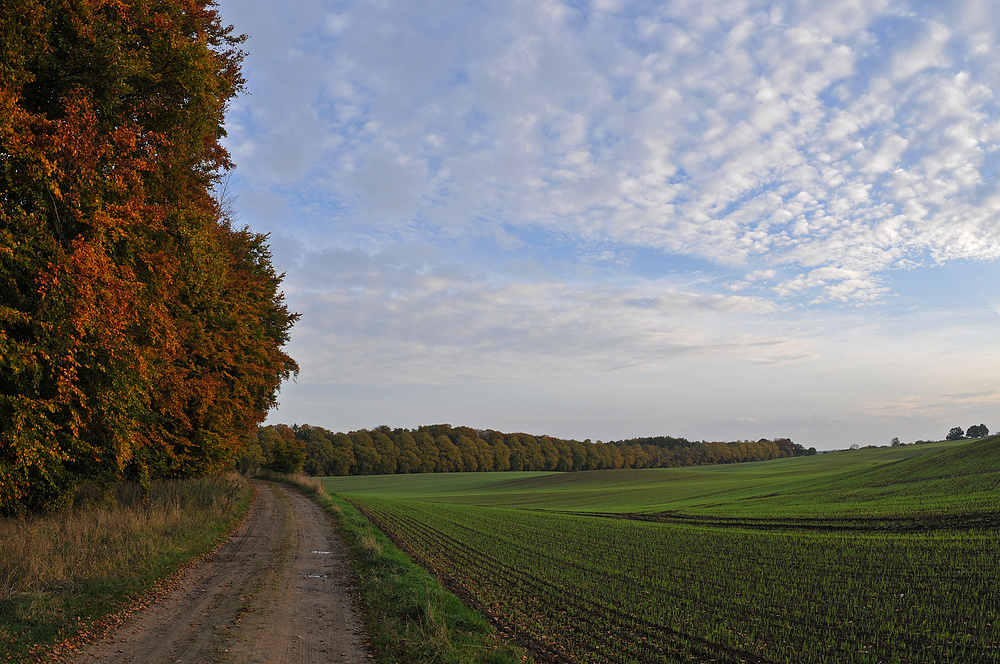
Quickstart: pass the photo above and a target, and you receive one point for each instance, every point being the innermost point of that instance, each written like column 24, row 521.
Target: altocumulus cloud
column 791, row 134
column 465, row 190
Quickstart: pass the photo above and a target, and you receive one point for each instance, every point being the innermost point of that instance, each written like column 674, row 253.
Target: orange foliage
column 140, row 334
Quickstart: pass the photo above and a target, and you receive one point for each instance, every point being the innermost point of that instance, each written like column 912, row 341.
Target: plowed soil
column 279, row 590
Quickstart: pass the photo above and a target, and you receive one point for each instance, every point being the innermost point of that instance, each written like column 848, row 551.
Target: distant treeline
column 442, row 448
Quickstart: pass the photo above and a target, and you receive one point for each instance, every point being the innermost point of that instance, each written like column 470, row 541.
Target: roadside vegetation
column 410, row 616
column 76, row 571
column 867, row 556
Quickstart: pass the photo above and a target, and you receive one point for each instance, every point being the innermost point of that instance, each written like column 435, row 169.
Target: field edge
column 410, row 615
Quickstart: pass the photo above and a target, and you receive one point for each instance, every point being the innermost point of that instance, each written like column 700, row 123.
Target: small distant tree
column 956, row 433
column 977, row 431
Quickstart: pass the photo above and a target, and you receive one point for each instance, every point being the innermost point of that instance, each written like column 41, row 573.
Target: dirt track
column 278, row 591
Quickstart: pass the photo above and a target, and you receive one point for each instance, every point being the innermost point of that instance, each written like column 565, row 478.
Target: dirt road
column 278, row 591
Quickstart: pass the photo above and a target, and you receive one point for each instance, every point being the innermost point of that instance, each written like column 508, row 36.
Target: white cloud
column 952, row 405
column 723, row 131
column 562, row 166
column 927, row 51
column 424, row 319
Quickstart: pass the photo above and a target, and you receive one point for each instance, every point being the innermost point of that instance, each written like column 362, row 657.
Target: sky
column 717, row 219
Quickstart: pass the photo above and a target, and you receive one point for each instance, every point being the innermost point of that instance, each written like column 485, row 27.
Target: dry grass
column 59, row 571
column 369, row 545
column 312, row 484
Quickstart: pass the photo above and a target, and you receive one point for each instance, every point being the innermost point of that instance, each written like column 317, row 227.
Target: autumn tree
column 549, row 452
column 283, row 451
column 427, row 452
column 449, row 457
column 388, row 453
column 141, row 333
column 484, row 454
column 531, row 451
column 319, row 450
column 343, row 454
column 516, row 456
column 409, row 454
column 251, row 458
column 579, row 452
column 501, row 456
column 366, row 457
column 565, row 460
column 467, row 449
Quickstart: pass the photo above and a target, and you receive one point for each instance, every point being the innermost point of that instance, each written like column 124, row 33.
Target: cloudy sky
column 717, row 219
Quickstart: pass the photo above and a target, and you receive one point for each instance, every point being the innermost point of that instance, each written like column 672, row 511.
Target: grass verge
column 410, row 617
column 63, row 575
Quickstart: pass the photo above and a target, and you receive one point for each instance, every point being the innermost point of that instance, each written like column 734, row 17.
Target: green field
column 876, row 555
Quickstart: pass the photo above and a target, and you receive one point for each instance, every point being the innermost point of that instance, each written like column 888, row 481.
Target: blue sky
column 711, row 219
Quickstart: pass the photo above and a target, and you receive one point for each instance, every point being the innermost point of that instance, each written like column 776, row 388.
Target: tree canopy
column 977, row 431
column 141, row 332
column 956, row 433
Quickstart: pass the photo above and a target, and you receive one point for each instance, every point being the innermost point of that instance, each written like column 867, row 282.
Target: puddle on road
column 323, row 553
column 315, row 576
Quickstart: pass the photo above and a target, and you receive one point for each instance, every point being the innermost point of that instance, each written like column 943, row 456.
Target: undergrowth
column 410, row 617
column 60, row 572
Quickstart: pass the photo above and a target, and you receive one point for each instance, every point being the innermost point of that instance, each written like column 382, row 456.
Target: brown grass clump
column 309, row 485
column 370, row 546
column 312, row 484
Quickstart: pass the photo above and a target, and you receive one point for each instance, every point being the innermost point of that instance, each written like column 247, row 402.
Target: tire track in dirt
column 280, row 590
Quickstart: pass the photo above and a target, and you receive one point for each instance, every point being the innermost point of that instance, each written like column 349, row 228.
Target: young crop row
column 582, row 589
